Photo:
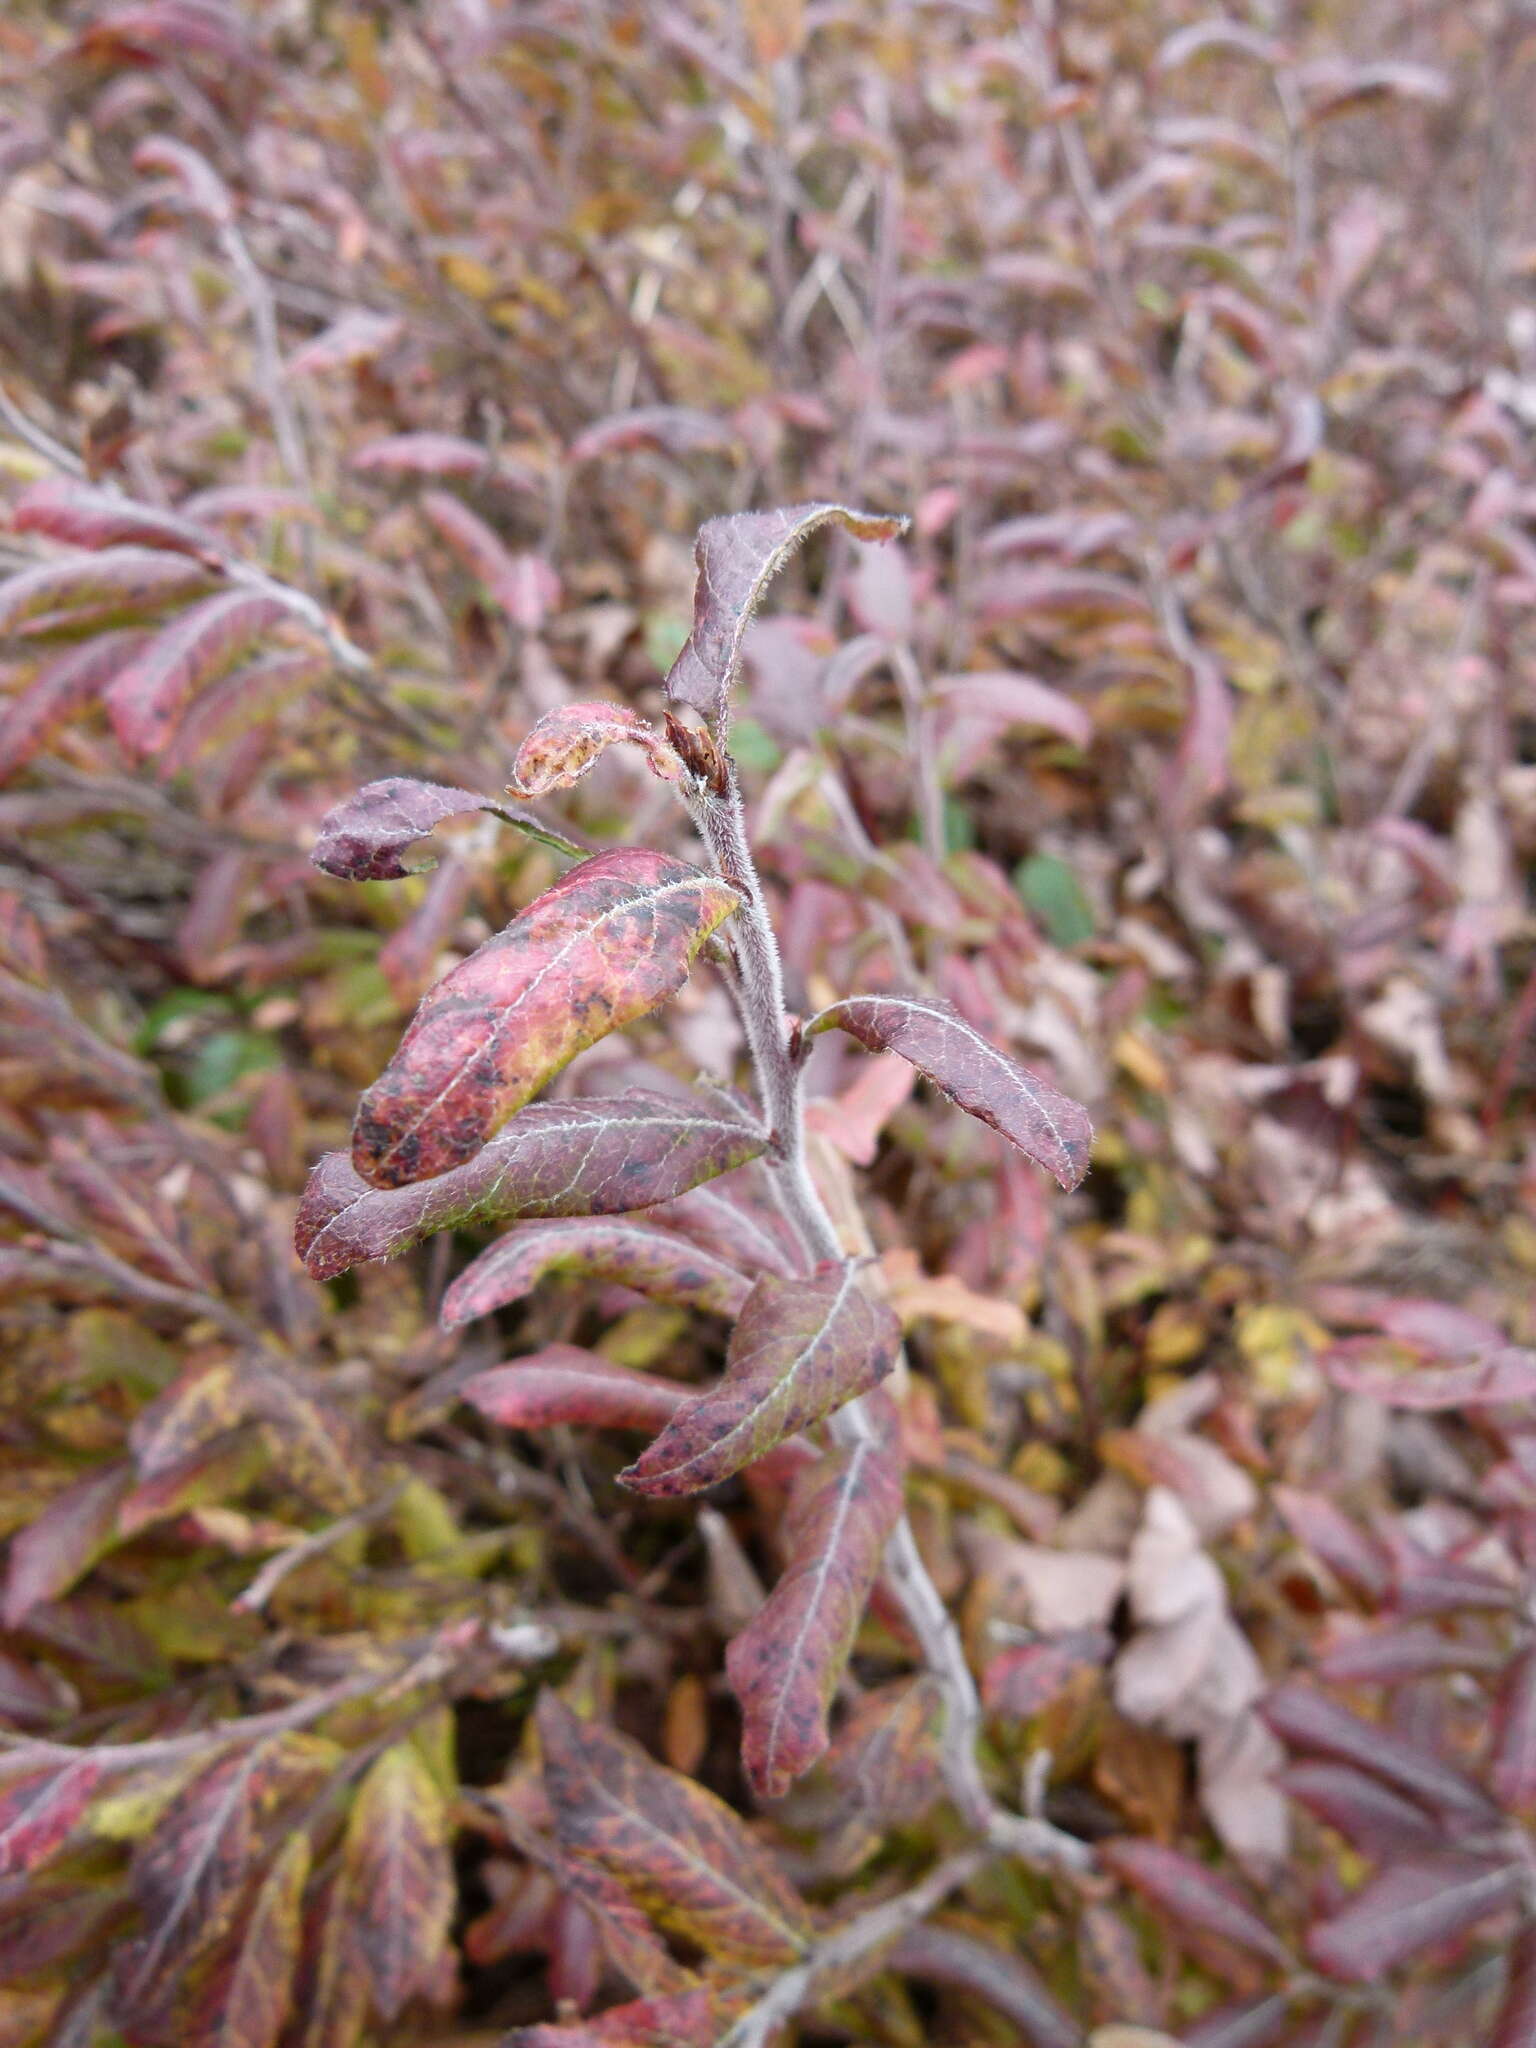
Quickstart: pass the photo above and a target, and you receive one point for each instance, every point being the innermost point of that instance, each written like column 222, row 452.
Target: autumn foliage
column 766, row 1197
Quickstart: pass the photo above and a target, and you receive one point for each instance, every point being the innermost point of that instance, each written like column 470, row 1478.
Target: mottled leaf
column 240, row 1999
column 610, row 941
column 39, row 1808
column 591, row 1157
column 800, row 1349
column 563, row 1383
column 737, row 556
column 156, row 684
column 59, row 1547
column 126, row 582
column 98, row 519
column 1191, row 1895
column 638, row 1255
column 1308, row 1721
column 364, row 838
column 1378, row 1821
column 1046, row 1125
column 400, row 1876
column 567, row 742
column 786, row 1665
column 944, row 1955
column 885, row 1756
column 1409, row 1908
column 680, row 1853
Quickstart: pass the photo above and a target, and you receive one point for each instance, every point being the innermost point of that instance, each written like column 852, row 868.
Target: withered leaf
column 568, row 741
column 364, row 838
column 39, row 1807
column 563, row 1383
column 1046, row 1125
column 737, row 557
column 1409, row 1908
column 679, row 1852
column 609, row 942
column 654, row 1262
column 800, row 1348
column 592, row 1157
column 400, row 1876
column 786, row 1664
column 147, row 694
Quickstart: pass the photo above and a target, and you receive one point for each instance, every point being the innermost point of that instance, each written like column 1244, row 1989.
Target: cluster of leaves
column 365, row 374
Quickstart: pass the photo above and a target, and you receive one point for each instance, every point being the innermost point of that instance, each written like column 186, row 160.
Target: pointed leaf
column 1378, row 1821
column 1191, row 1895
column 506, row 576
column 241, row 1997
column 943, row 1955
column 364, row 839
column 563, row 1383
column 1046, row 1125
column 654, row 1262
column 123, row 581
column 591, row 1157
column 66, row 685
column 680, row 1853
column 97, row 519
column 787, row 1663
column 146, row 696
column 1308, row 1721
column 57, row 1549
column 567, row 742
column 800, row 1348
column 400, row 1876
column 1409, row 1908
column 737, row 556
column 608, row 943
column 39, row 1808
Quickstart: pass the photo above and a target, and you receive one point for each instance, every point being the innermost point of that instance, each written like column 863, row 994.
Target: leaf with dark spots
column 654, row 1262
column 240, row 1997
column 567, row 742
column 98, row 519
column 40, row 1805
column 563, row 1383
column 128, row 583
column 364, row 839
column 932, row 1036
column 609, row 942
column 590, row 1157
column 679, row 1852
column 400, row 1876
column 787, row 1663
column 61, row 1920
column 56, row 1550
column 1410, row 1907
column 147, row 695
column 1372, row 1817
column 1192, row 1896
column 944, row 1955
column 800, row 1349
column 737, row 557
column 1307, row 1721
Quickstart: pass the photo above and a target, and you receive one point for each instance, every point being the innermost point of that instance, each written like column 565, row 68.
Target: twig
column 276, row 1569
column 41, row 443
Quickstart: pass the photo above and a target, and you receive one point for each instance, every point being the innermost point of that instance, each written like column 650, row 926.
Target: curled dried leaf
column 566, row 743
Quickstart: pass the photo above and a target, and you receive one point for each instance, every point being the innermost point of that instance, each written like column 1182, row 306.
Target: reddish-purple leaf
column 1192, row 1896
column 928, row 1032
column 1246, row 2023
column 1012, row 593
column 1333, row 1536
column 1379, row 1822
column 1514, row 1743
column 737, row 557
column 422, row 455
column 589, row 1157
column 1388, row 1655
column 985, row 704
column 679, row 429
column 39, row 1808
column 399, row 1871
column 1023, row 1682
column 885, row 1758
column 253, row 695
column 359, row 336
column 365, row 837
column 787, row 1663
column 240, row 1996
column 1308, row 1721
column 97, row 519
column 1515, row 2026
column 59, row 1547
column 1410, row 1907
column 126, row 583
column 943, row 1955
column 66, row 685
column 563, row 1383
column 638, row 1255
column 480, row 549
column 608, row 943
column 679, row 2019
column 147, row 695
column 679, row 1852
column 1505, row 1375
column 800, row 1349
column 567, row 742
column 1448, row 1585
column 726, row 1221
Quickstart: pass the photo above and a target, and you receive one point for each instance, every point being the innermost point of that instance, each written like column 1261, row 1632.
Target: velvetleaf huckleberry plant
column 450, row 1134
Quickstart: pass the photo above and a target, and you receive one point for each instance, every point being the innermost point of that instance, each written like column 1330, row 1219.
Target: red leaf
column 39, row 1809
column 654, row 1262
column 787, row 1663
column 1410, row 1907
column 1192, row 1896
column 677, row 428
column 608, row 943
column 126, row 583
column 1388, row 1655
column 1508, row 1375
column 98, row 519
column 886, row 1755
column 241, row 1996
column 1046, row 1125
column 422, row 455
column 147, row 695
column 1308, row 1721
column 481, row 551
column 359, row 336
column 737, row 556
column 942, row 1955
column 681, row 2019
column 563, row 1383
column 590, row 1157
column 800, row 1348
column 1515, row 2026
column 1514, row 1742
column 567, row 742
column 364, row 838
column 399, row 1873
column 680, row 1853
column 994, row 701
column 1325, row 1529
column 59, row 1547
column 1378, row 1821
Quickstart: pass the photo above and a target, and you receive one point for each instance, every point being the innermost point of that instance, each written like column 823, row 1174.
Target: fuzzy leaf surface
column 786, row 1664
column 147, row 695
column 609, row 942
column 1046, row 1125
column 364, row 838
column 737, row 557
column 1408, row 1908
column 800, row 1348
column 400, row 1874
column 592, row 1157
column 679, row 1852
column 569, row 740
column 563, row 1383
column 654, row 1262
